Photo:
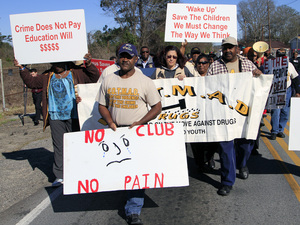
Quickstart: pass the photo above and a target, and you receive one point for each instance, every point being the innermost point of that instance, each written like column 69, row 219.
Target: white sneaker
column 57, row 182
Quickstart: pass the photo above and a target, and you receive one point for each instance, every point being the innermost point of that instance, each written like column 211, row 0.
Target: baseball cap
column 229, row 40
column 128, row 48
column 195, row 50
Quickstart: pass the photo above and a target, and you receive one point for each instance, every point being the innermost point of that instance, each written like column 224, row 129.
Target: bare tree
column 254, row 15
column 142, row 18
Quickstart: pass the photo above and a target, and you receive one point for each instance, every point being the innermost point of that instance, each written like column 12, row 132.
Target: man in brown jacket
column 59, row 102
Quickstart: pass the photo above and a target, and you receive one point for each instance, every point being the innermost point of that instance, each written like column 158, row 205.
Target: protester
column 37, row 99
column 58, row 102
column 127, row 78
column 232, row 62
column 203, row 152
column 212, row 57
column 190, row 64
column 112, row 68
column 145, row 60
column 113, row 58
column 172, row 64
column 295, row 60
column 252, row 56
column 279, row 117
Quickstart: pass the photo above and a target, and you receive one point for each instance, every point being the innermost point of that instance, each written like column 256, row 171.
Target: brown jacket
column 90, row 74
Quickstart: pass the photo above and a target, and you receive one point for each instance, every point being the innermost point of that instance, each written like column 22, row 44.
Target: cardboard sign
column 147, row 156
column 279, row 67
column 212, row 108
column 49, row 36
column 200, row 22
column 294, row 140
column 101, row 64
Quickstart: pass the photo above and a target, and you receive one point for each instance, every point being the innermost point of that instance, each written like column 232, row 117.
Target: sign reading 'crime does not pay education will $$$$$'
column 49, row 36
column 200, row 22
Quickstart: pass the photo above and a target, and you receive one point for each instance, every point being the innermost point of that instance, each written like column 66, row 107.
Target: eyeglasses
column 204, row 62
column 145, row 52
column 170, row 56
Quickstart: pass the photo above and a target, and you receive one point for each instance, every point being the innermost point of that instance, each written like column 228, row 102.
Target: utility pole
column 269, row 25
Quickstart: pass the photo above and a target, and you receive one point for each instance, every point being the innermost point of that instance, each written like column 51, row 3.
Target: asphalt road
column 271, row 194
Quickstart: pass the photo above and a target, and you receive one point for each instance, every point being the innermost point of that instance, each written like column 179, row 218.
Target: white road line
column 43, row 205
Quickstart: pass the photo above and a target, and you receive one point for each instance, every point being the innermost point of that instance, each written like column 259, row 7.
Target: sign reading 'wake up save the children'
column 49, row 36
column 200, row 22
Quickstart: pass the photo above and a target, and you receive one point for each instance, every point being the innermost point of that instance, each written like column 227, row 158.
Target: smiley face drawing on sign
column 115, row 152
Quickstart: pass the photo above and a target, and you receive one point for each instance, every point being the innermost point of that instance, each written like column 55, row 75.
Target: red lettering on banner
column 176, row 34
column 178, row 25
column 149, row 132
column 165, row 128
column 127, row 180
column 138, row 131
column 146, row 176
column 194, row 9
column 92, row 185
column 277, row 61
column 169, row 131
column 160, row 181
column 179, row 17
column 89, row 135
column 284, row 61
column 59, row 25
column 162, row 129
column 136, row 182
column 43, row 27
column 204, row 35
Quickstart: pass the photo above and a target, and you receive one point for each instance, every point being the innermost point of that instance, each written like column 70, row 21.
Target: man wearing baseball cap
column 232, row 62
column 129, row 113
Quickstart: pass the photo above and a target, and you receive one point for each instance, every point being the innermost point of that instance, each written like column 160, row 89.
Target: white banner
column 279, row 67
column 200, row 22
column 147, row 156
column 294, row 140
column 212, row 108
column 49, row 36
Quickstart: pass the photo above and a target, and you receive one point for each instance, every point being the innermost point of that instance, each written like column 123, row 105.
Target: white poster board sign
column 294, row 140
column 200, row 22
column 49, row 36
column 147, row 156
column 279, row 67
column 211, row 108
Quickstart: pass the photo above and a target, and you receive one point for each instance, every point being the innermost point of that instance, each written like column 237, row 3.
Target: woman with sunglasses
column 171, row 64
column 203, row 152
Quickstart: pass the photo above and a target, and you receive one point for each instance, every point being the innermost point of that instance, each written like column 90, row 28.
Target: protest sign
column 211, row 108
column 279, row 67
column 200, row 22
column 294, row 140
column 49, row 36
column 147, row 156
column 101, row 64
column 88, row 113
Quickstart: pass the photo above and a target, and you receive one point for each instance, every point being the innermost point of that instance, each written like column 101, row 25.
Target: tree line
column 142, row 22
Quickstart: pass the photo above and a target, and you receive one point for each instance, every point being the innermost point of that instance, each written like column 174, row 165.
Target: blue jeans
column 227, row 159
column 243, row 148
column 279, row 117
column 135, row 202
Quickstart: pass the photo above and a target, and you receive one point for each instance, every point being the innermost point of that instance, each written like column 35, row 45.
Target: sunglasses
column 145, row 52
column 204, row 62
column 170, row 56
